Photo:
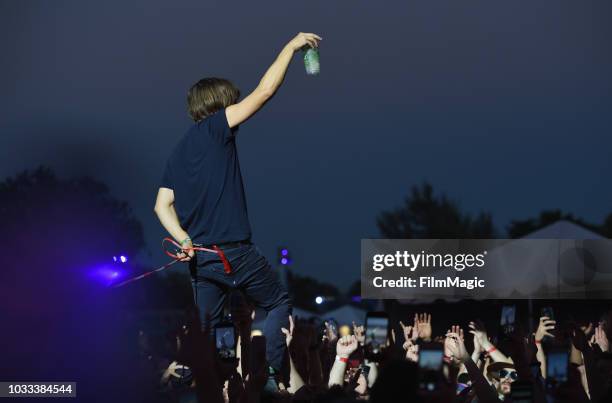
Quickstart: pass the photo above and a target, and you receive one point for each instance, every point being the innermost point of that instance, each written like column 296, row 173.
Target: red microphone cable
column 226, row 265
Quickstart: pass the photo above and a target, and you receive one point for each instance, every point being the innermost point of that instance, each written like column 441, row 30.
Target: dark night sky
column 503, row 105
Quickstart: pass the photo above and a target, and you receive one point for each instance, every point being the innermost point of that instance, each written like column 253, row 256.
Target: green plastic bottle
column 311, row 61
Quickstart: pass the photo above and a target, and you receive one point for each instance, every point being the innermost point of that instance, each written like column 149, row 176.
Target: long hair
column 210, row 95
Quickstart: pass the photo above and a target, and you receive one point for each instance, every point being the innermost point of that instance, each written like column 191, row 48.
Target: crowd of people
column 559, row 362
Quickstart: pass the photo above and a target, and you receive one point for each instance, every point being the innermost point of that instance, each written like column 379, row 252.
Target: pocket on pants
column 209, row 263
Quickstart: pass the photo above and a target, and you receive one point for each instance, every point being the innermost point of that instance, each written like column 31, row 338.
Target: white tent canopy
column 522, row 270
column 556, row 266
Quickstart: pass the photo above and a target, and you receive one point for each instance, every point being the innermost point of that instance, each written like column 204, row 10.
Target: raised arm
column 272, row 79
column 457, row 350
column 345, row 347
column 544, row 329
column 595, row 381
column 479, row 332
column 295, row 380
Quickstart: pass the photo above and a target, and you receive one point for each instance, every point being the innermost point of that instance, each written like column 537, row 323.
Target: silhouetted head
column 210, row 95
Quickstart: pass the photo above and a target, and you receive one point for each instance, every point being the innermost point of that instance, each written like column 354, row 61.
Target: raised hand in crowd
column 344, row 348
column 478, row 331
column 457, row 351
column 595, row 382
column 579, row 340
column 450, row 344
column 174, row 370
column 478, row 349
column 412, row 351
column 352, row 376
column 454, row 347
column 407, row 331
column 545, row 327
column 587, row 329
column 601, row 339
column 456, row 329
column 295, row 380
column 289, row 332
column 422, row 324
column 330, row 335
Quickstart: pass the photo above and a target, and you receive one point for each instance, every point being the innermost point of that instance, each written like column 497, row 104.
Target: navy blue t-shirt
column 204, row 173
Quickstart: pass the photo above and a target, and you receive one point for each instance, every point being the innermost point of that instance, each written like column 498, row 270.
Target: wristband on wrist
column 342, row 359
column 184, row 241
column 538, row 341
column 492, row 349
column 447, row 359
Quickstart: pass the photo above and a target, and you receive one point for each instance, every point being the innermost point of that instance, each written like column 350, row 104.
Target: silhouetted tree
column 77, row 216
column 52, row 225
column 58, row 238
column 520, row 228
column 354, row 289
column 425, row 215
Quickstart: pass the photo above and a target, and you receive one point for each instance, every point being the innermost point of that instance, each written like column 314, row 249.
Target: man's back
column 204, row 173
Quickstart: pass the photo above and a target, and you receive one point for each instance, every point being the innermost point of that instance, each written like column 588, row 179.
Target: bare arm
column 373, row 375
column 272, row 79
column 545, row 327
column 295, row 380
column 345, row 347
column 483, row 340
column 336, row 375
column 456, row 348
column 164, row 208
column 541, row 357
column 494, row 353
column 583, row 380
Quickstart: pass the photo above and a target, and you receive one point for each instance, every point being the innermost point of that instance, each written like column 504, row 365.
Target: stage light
column 284, row 257
column 115, row 259
column 319, row 300
column 344, row 331
column 105, row 274
column 123, row 259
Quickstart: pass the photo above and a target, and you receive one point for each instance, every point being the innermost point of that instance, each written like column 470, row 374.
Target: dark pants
column 251, row 273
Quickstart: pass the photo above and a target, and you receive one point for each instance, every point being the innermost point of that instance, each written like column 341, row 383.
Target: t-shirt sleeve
column 218, row 126
column 166, row 181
